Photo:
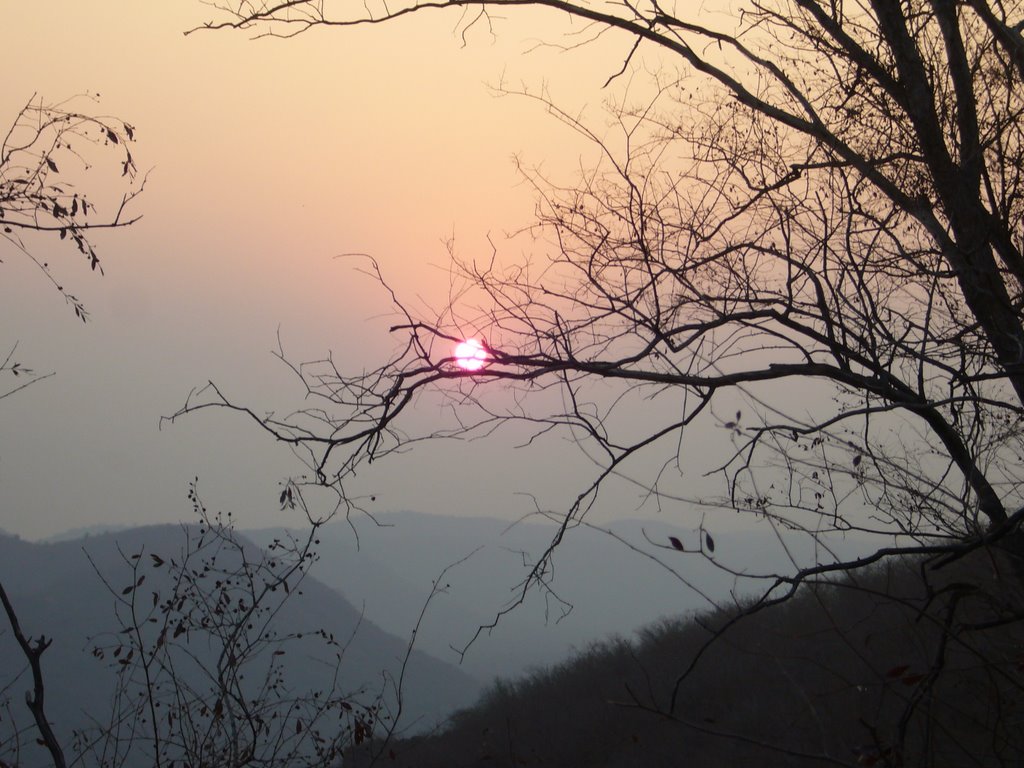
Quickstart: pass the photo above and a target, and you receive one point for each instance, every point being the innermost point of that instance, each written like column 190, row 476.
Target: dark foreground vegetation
column 904, row 665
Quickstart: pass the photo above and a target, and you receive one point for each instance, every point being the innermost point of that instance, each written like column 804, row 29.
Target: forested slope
column 903, row 665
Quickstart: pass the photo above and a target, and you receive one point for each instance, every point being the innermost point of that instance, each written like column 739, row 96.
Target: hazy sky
column 268, row 159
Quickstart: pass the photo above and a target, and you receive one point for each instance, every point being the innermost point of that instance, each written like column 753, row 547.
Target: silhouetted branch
column 35, row 699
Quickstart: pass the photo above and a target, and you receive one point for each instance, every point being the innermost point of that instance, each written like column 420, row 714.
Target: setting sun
column 470, row 355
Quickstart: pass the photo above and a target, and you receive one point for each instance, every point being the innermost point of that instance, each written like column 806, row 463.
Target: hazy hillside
column 610, row 582
column 878, row 670
column 606, row 582
column 57, row 593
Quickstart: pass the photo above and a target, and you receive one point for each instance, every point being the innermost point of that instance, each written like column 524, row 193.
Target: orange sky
column 268, row 158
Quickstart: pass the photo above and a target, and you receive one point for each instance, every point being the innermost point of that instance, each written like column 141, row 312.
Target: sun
column 470, row 355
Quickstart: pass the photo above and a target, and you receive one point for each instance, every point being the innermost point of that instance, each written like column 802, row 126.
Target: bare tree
column 33, row 649
column 206, row 658
column 51, row 159
column 809, row 237
column 22, row 375
column 201, row 654
column 851, row 223
column 46, row 152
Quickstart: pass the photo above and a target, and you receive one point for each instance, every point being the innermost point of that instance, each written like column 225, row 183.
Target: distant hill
column 57, row 592
column 82, row 532
column 904, row 666
column 606, row 581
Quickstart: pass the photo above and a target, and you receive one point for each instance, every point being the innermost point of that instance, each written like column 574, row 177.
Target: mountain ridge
column 56, row 592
